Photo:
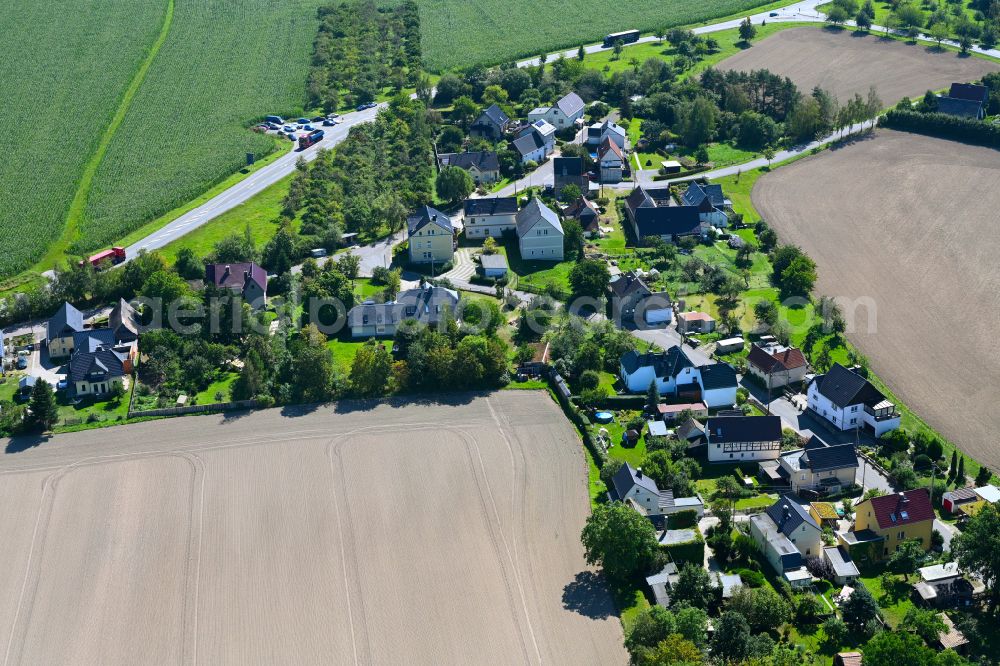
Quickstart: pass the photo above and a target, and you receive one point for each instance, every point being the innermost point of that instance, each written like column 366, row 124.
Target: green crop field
column 64, row 71
column 224, row 64
column 120, row 112
column 457, row 33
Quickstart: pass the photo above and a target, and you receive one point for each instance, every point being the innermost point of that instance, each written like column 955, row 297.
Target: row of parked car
column 290, row 127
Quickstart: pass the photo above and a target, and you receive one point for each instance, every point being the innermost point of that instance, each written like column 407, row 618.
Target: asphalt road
column 249, row 186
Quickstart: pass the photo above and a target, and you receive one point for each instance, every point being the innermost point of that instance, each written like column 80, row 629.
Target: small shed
column 729, row 345
column 25, row 385
column 953, row 499
column 494, row 265
column 670, row 166
column 951, row 638
column 657, row 428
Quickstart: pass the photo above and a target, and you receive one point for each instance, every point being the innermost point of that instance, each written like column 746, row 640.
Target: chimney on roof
column 226, row 272
column 638, row 473
column 903, row 498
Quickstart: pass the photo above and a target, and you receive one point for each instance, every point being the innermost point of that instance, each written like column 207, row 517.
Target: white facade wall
column 743, row 451
column 481, row 226
column 542, row 242
column 722, row 397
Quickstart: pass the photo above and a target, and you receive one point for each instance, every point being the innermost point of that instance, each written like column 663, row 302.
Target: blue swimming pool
column 604, row 417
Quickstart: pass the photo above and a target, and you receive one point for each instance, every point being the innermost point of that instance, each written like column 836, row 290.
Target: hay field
column 909, row 222
column 845, row 62
column 433, row 533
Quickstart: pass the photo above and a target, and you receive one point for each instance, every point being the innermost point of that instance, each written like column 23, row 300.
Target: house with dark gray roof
column 431, row 235
column 569, row 171
column 819, row 467
column 562, row 114
column 491, row 124
column 743, row 438
column 584, row 211
column 632, row 301
column 539, row 232
column 482, row 165
column 631, row 486
column 713, row 206
column 676, row 376
column 427, row 304
column 247, row 279
column 490, row 217
column 125, row 322
column 786, row 534
column 965, row 100
column 848, row 401
column 653, row 213
column 60, row 329
column 598, row 133
column 535, row 142
column 97, row 372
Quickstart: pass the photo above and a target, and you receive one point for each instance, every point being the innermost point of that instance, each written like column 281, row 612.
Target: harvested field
column 846, row 62
column 432, row 533
column 908, row 221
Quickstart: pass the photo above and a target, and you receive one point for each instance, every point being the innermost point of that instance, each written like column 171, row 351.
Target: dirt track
column 430, row 534
column 910, row 222
column 847, row 62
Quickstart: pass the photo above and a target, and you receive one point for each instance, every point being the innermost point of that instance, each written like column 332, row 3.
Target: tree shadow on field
column 24, row 442
column 588, row 595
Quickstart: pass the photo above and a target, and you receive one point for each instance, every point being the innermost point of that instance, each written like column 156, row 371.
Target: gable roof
column 897, row 509
column 626, row 478
column 609, row 146
column 527, row 143
column 964, row 108
column 627, row 284
column 425, row 304
column 494, row 261
column 717, row 375
column 969, row 91
column 235, row 276
column 543, row 128
column 788, row 515
column 567, row 166
column 733, row 429
column 571, row 104
column 491, row 206
column 845, row 387
column 484, row 160
column 495, row 115
column 66, row 321
column 534, row 212
column 124, row 316
column 664, row 364
column 92, row 340
column 580, row 209
column 776, row 359
column 426, row 215
column 99, row 365
column 696, row 193
column 690, row 430
column 655, row 216
column 820, row 458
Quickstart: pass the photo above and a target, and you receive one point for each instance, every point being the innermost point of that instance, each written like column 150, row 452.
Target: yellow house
column 886, row 522
column 432, row 236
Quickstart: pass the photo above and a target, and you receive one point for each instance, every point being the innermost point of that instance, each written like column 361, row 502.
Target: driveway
column 376, row 254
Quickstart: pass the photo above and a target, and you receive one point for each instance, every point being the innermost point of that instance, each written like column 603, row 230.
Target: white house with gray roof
column 562, row 114
column 847, row 400
column 631, row 486
column 786, row 534
column 539, row 233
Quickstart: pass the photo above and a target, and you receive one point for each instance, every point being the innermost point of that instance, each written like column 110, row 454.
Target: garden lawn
column 540, row 275
column 893, row 602
column 106, row 411
column 344, row 350
column 259, row 213
column 223, row 384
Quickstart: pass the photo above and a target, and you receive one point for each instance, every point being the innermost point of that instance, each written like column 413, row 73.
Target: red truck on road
column 115, row 255
column 309, row 139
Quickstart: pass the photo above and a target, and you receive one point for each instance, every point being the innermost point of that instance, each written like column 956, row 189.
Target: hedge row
column 689, row 551
column 581, row 421
column 621, row 402
column 943, row 126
